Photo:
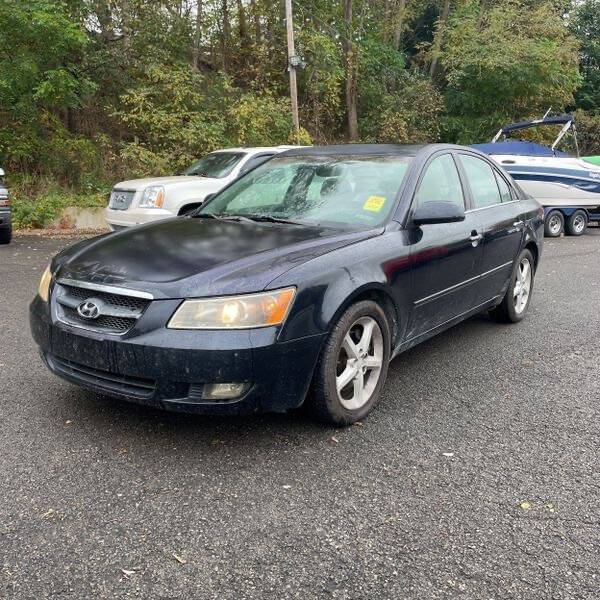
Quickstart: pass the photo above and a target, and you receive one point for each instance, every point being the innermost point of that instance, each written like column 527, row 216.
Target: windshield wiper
column 272, row 219
column 206, row 216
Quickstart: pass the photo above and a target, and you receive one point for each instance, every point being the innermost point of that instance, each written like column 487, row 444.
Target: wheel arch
column 380, row 295
column 535, row 251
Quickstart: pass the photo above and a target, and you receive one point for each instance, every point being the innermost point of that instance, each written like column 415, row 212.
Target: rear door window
column 482, row 181
column 505, row 194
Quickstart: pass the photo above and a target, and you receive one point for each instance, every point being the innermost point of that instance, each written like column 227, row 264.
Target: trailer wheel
column 554, row 224
column 577, row 223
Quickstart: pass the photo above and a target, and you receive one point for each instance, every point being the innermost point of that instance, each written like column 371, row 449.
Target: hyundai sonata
column 296, row 284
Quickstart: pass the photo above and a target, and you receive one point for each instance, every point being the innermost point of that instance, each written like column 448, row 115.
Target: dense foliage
column 92, row 91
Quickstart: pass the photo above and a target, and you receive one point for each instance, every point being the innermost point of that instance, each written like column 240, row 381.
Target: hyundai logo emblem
column 88, row 310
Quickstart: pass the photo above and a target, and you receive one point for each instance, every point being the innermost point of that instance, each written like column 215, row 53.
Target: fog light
column 224, row 391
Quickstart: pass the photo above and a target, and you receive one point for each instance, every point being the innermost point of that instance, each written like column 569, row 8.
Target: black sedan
column 296, row 284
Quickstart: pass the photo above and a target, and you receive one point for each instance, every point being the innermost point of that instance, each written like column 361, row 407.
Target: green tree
column 503, row 63
column 585, row 25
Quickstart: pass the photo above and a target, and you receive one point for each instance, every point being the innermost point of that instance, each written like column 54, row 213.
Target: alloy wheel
column 522, row 287
column 359, row 363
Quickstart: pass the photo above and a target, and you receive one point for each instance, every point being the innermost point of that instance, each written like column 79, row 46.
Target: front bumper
column 167, row 368
column 117, row 219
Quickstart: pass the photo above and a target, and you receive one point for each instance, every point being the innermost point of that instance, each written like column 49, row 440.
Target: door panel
column 502, row 228
column 445, row 264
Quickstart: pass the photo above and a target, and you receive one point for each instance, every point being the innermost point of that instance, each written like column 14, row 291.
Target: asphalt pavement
column 477, row 477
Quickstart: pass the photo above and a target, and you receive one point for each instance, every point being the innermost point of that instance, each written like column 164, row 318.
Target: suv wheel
column 352, row 367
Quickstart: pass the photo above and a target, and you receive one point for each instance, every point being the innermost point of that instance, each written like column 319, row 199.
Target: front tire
column 577, row 223
column 515, row 303
column 352, row 367
column 554, row 224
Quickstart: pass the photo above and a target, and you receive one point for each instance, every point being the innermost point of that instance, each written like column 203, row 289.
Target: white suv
column 143, row 200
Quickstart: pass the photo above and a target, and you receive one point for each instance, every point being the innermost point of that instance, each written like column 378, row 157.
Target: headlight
column 45, row 284
column 234, row 312
column 153, row 197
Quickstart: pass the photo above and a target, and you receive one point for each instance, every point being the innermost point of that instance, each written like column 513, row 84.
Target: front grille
column 120, row 199
column 112, row 299
column 127, row 385
column 118, row 313
column 103, row 322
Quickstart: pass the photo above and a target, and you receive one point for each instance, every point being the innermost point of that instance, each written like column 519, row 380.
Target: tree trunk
column 399, row 23
column 197, row 35
column 256, row 17
column 225, row 33
column 350, row 59
column 243, row 28
column 439, row 36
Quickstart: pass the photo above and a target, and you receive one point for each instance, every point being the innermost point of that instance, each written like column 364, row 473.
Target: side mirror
column 431, row 213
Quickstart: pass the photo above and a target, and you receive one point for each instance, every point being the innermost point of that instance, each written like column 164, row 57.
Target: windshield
column 335, row 191
column 217, row 164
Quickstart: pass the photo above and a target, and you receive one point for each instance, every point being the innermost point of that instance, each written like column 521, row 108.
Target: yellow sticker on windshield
column 374, row 203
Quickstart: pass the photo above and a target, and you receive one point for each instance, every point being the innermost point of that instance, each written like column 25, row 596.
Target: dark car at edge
column 296, row 284
column 5, row 212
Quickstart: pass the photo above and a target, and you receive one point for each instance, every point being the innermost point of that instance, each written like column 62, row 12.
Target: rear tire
column 352, row 367
column 577, row 223
column 554, row 224
column 515, row 303
column 5, row 236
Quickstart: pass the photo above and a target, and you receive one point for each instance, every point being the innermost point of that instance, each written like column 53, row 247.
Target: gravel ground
column 476, row 477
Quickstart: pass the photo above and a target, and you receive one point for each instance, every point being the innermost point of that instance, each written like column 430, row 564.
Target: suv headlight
column 234, row 312
column 153, row 197
column 44, row 287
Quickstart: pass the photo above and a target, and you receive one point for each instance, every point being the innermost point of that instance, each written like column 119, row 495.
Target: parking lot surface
column 476, row 477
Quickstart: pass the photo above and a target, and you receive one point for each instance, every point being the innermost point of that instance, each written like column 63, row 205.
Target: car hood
column 192, row 257
column 140, row 184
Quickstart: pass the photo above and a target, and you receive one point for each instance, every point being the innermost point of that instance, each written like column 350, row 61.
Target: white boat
column 553, row 178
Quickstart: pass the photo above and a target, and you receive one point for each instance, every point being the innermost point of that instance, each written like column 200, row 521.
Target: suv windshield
column 217, row 164
column 335, row 191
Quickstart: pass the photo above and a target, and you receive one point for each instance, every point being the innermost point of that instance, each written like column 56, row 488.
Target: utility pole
column 292, row 63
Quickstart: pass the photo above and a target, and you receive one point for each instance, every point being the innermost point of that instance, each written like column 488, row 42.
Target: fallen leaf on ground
column 525, row 505
column 333, row 440
column 448, row 454
column 128, row 572
column 48, row 513
column 287, row 487
column 179, row 559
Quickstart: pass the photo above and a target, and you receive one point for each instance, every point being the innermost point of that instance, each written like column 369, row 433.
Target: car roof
column 372, row 149
column 253, row 149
